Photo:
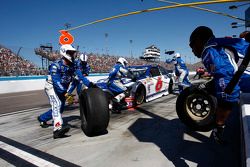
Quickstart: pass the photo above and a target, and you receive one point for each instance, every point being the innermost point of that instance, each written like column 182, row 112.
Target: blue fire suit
column 115, row 84
column 217, row 58
column 57, row 83
column 182, row 70
column 84, row 68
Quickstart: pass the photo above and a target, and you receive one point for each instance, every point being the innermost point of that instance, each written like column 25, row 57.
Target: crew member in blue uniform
column 81, row 65
column 115, row 85
column 61, row 74
column 220, row 57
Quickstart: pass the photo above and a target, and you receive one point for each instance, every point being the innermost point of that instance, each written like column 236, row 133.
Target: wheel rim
column 198, row 107
column 140, row 95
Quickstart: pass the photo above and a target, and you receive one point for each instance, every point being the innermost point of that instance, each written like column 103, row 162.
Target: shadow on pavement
column 169, row 135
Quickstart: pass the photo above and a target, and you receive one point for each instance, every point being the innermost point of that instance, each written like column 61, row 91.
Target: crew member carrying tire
column 220, row 57
column 60, row 75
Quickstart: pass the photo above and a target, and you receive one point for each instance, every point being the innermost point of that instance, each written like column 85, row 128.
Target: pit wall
column 29, row 83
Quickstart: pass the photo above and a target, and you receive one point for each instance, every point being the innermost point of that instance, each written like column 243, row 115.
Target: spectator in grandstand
column 215, row 55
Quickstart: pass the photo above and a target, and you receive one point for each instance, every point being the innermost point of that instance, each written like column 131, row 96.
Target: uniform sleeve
column 81, row 78
column 207, row 59
column 124, row 71
column 72, row 86
column 87, row 69
column 56, row 78
column 113, row 72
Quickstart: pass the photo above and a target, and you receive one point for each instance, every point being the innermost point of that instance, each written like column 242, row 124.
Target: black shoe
column 218, row 134
column 43, row 124
column 60, row 133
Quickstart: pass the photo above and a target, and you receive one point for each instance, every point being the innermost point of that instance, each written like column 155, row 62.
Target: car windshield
column 138, row 72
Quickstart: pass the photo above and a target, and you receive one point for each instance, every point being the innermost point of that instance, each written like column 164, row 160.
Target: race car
column 152, row 82
column 145, row 82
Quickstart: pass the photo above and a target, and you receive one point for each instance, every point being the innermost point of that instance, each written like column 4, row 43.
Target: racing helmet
column 123, row 61
column 176, row 55
column 202, row 32
column 83, row 57
column 68, row 52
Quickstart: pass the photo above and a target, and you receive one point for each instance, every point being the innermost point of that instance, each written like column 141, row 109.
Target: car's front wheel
column 140, row 95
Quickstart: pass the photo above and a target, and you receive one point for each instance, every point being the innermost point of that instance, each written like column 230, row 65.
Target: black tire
column 94, row 111
column 171, row 86
column 196, row 109
column 140, row 95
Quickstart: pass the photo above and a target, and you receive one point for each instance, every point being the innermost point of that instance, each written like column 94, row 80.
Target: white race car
column 152, row 82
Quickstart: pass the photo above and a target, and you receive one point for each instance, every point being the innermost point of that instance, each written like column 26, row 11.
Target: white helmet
column 65, row 52
column 176, row 55
column 123, row 61
column 83, row 57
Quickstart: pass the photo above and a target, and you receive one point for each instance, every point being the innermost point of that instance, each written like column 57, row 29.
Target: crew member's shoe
column 60, row 133
column 43, row 124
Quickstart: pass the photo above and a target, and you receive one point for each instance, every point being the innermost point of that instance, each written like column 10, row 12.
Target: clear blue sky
column 29, row 23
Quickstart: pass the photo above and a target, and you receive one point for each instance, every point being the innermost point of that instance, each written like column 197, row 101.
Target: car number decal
column 158, row 85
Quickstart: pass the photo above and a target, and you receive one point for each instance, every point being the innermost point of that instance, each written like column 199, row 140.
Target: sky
column 30, row 23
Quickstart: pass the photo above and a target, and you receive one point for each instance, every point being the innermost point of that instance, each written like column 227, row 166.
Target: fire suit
column 115, row 84
column 182, row 72
column 56, row 86
column 57, row 83
column 84, row 68
column 220, row 56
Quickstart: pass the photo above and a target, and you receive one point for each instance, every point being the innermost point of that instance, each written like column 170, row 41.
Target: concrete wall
column 245, row 118
column 11, row 86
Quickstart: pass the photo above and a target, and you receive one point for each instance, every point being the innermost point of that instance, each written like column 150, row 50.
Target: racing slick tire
column 140, row 95
column 94, row 112
column 196, row 109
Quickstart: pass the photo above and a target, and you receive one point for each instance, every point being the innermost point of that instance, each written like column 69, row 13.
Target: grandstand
column 12, row 64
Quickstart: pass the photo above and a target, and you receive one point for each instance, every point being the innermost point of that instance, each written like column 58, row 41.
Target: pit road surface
column 149, row 136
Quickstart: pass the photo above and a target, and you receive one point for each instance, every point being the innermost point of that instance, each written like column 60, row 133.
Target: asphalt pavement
column 149, row 136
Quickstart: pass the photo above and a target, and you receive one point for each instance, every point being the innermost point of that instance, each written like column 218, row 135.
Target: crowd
column 51, row 56
column 13, row 65
column 103, row 63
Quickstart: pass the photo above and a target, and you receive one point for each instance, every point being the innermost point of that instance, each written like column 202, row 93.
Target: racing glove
column 69, row 98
